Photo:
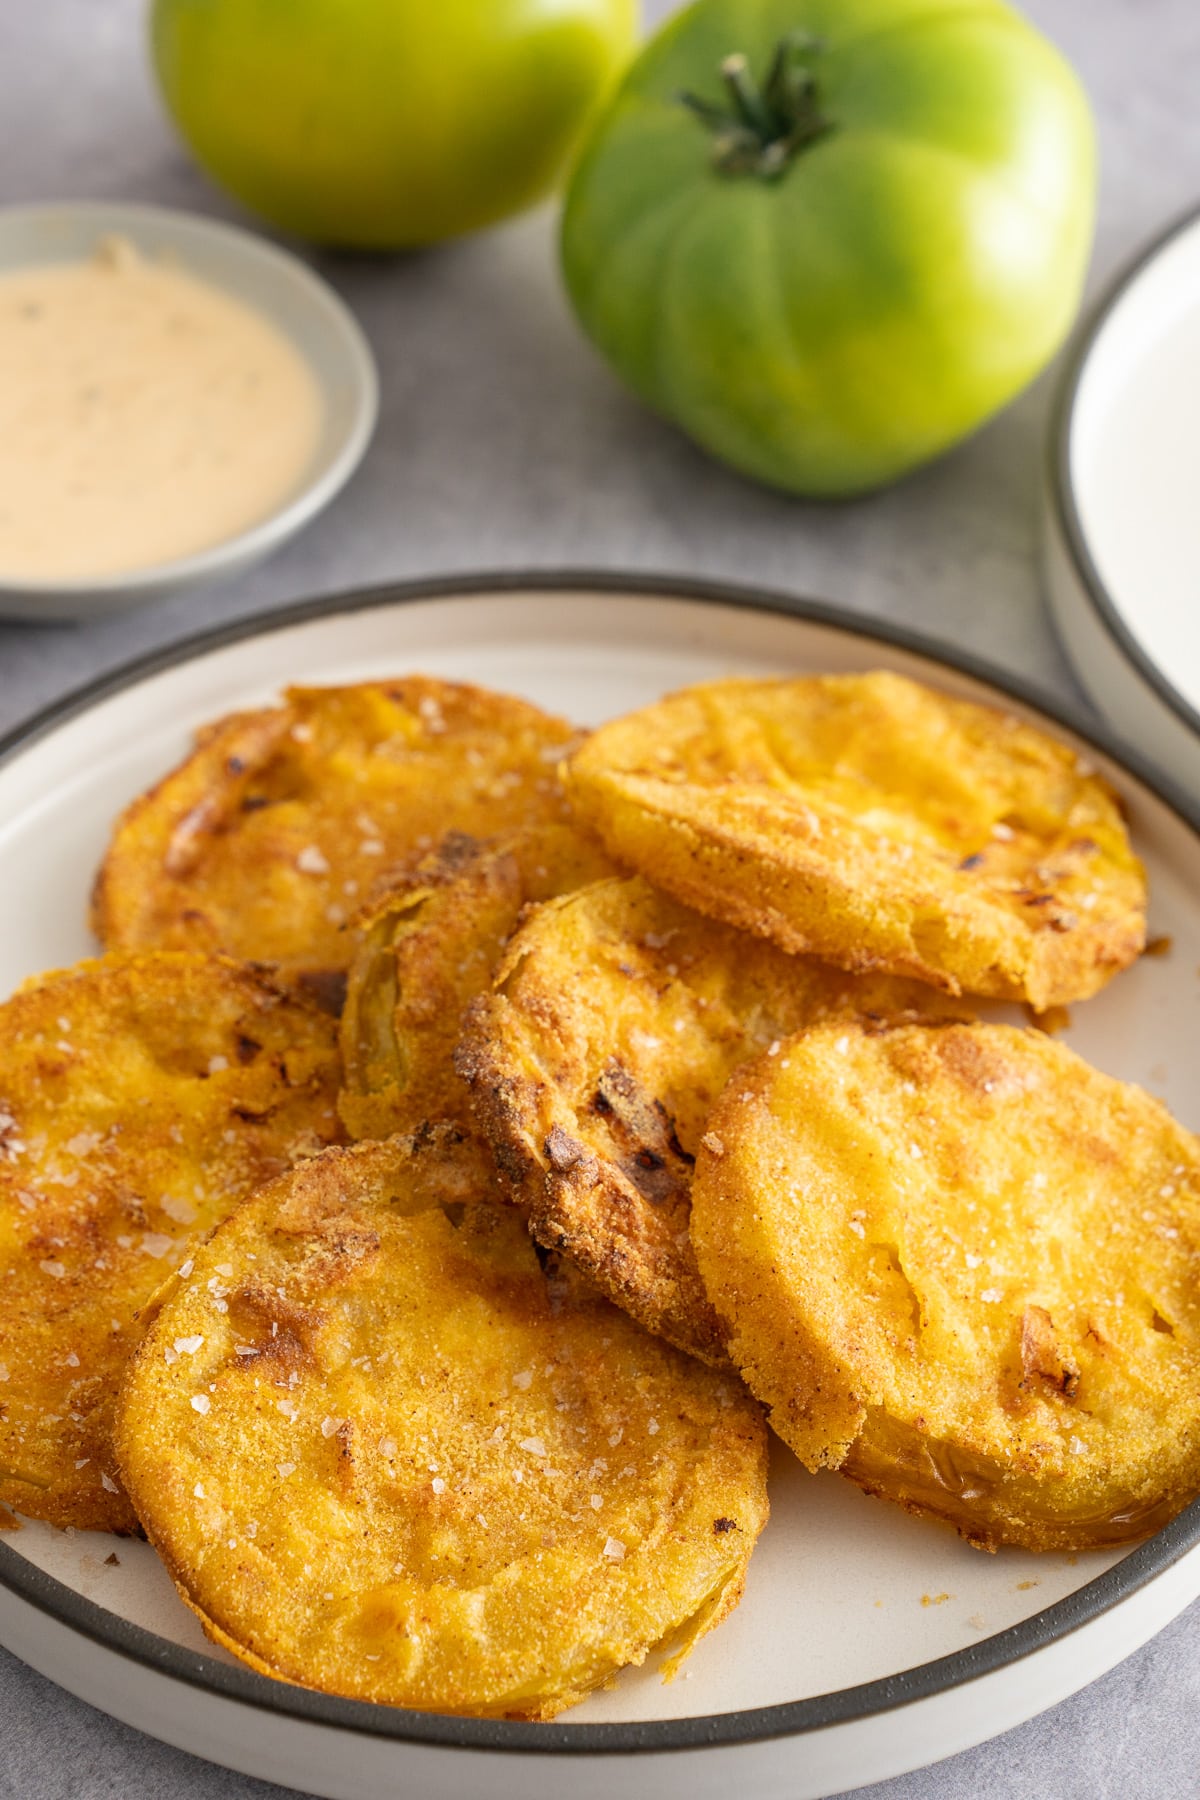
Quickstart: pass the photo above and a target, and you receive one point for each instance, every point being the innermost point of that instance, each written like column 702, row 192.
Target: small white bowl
column 291, row 297
column 1122, row 541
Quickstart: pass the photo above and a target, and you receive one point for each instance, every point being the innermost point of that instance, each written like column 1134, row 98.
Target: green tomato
column 835, row 257
column 379, row 124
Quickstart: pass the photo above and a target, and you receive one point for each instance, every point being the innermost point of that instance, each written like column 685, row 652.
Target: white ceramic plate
column 278, row 285
column 868, row 1642
column 1122, row 543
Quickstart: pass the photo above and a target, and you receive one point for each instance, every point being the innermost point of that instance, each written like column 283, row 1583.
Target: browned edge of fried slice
column 587, row 1207
column 616, row 1019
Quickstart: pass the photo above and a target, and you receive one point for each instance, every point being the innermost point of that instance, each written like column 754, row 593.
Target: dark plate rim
column 241, row 1685
column 1061, row 487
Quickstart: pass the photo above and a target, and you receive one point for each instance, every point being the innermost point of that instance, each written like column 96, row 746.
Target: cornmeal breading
column 141, row 1098
column 274, row 832
column 878, row 824
column 405, row 1461
column 960, row 1265
column 617, row 1017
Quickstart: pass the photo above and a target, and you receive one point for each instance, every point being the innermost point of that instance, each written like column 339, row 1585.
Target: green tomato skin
column 902, row 280
column 385, row 124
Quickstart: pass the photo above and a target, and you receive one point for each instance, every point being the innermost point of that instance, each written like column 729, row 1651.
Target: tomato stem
column 762, row 128
column 748, row 103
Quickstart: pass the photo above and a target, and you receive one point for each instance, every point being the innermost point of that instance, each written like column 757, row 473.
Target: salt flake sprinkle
column 438, row 1484
column 188, row 1346
column 331, row 1425
column 614, row 1550
column 991, row 1295
column 201, row 1403
column 534, row 1446
column 284, row 1470
column 523, row 1379
column 312, row 861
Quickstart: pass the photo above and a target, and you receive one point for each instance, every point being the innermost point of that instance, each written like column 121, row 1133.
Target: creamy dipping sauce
column 144, row 416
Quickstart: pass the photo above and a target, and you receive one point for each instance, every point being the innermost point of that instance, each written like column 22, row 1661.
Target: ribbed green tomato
column 828, row 275
column 385, row 123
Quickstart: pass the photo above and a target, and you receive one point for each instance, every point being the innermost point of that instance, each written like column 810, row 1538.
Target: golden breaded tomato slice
column 879, row 824
column 616, row 1019
column 273, row 832
column 141, row 1098
column 427, row 948
column 405, row 1462
column 959, row 1264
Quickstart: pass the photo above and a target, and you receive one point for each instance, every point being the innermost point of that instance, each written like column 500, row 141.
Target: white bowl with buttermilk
column 177, row 398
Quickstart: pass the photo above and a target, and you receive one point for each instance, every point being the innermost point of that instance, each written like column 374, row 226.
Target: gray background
column 504, row 443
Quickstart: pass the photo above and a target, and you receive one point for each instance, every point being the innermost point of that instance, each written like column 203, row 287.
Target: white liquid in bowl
column 145, row 415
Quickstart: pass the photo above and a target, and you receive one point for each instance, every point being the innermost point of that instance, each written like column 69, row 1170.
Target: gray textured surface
column 503, row 443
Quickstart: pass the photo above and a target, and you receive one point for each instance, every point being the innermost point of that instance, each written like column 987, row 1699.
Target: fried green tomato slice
column 879, row 824
column 960, row 1265
column 616, row 1019
column 275, row 829
column 428, row 947
column 141, row 1098
column 401, row 1460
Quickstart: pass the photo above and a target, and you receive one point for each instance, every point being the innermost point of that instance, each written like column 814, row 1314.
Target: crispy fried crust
column 960, row 1265
column 617, row 1018
column 275, row 829
column 403, row 1461
column 428, row 947
column 878, row 824
column 141, row 1097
